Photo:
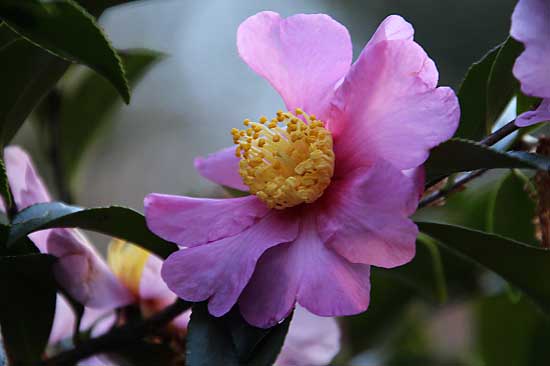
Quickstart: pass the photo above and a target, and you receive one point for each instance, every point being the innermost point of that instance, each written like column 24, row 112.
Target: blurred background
column 185, row 105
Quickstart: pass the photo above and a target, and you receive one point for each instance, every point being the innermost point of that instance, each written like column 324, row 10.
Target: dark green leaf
column 522, row 265
column 245, row 337
column 27, row 306
column 472, row 96
column 28, row 74
column 255, row 346
column 458, row 155
column 87, row 110
column 120, row 222
column 502, row 85
column 526, row 103
column 64, row 28
column 424, row 273
column 513, row 209
column 229, row 340
column 4, row 185
column 270, row 346
column 208, row 340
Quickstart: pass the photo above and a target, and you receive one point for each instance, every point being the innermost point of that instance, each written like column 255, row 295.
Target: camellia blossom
column 79, row 269
column 333, row 181
column 531, row 26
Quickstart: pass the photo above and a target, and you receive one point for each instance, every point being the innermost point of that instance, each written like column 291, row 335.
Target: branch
column 490, row 140
column 437, row 195
column 500, row 133
column 119, row 336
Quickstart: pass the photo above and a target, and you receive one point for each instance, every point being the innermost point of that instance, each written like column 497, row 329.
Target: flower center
column 286, row 161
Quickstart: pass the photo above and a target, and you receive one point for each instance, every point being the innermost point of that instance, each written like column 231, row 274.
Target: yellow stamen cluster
column 287, row 160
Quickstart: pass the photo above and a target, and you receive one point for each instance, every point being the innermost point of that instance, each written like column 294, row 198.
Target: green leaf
column 472, row 96
column 208, row 341
column 501, row 84
column 230, row 341
column 65, row 29
column 424, row 273
column 526, row 103
column 458, row 155
column 522, row 265
column 255, row 346
column 509, row 333
column 120, row 222
column 498, row 203
column 81, row 122
column 28, row 74
column 513, row 210
column 27, row 306
column 265, row 354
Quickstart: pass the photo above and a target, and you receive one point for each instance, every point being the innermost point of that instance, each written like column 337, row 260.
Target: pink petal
column 541, row 114
column 192, row 221
column 222, row 167
column 98, row 321
column 219, row 271
column 151, row 285
column 366, row 220
column 392, row 28
column 302, row 56
column 418, row 177
column 389, row 108
column 63, row 321
column 26, row 185
column 153, row 291
column 311, row 340
column 306, row 271
column 82, row 273
column 531, row 26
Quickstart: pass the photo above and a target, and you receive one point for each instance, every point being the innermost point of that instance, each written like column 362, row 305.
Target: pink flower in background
column 311, row 340
column 79, row 269
column 332, row 183
column 531, row 26
column 139, row 271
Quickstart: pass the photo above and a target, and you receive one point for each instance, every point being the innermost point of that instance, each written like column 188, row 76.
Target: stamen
column 286, row 161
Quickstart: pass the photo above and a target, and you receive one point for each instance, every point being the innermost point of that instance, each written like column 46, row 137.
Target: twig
column 118, row 336
column 490, row 140
column 500, row 133
column 437, row 195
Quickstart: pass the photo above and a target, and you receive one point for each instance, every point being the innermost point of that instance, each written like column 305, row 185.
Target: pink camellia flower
column 333, row 181
column 311, row 340
column 79, row 269
column 531, row 26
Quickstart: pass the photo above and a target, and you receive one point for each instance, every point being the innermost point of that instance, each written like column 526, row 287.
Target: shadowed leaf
column 119, row 222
